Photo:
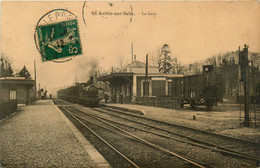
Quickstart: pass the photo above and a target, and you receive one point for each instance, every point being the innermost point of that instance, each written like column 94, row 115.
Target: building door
column 12, row 94
column 158, row 88
column 146, row 89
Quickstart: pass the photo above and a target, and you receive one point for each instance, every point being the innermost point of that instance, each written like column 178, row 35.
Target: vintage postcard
column 129, row 84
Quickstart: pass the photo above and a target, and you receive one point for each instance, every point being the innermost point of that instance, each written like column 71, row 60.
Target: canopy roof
column 119, row 77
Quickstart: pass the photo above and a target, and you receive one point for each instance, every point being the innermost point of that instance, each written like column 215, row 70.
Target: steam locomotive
column 82, row 93
column 202, row 89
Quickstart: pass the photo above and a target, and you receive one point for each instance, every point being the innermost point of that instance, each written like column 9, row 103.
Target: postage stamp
column 58, row 40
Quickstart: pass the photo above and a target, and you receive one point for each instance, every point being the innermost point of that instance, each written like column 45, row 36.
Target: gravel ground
column 223, row 119
column 37, row 136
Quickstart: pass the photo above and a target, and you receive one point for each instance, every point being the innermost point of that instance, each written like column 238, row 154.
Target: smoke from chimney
column 86, row 68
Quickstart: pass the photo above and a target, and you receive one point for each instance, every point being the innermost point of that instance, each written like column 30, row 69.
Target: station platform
column 223, row 119
column 39, row 135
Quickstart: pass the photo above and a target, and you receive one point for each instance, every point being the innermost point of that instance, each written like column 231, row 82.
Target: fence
column 165, row 102
column 7, row 108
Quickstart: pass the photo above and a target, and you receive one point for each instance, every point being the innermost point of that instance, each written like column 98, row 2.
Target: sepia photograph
column 119, row 84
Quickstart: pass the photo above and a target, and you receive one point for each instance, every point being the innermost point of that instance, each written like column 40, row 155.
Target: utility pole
column 146, row 86
column 39, row 90
column 244, row 66
column 35, row 79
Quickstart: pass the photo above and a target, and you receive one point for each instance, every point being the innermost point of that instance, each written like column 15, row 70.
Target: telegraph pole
column 35, row 79
column 244, row 66
column 146, row 77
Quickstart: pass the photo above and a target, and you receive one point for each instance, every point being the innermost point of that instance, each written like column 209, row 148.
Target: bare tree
column 255, row 58
column 212, row 61
column 122, row 61
column 155, row 57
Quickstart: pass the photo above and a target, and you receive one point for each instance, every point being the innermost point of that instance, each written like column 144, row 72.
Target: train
column 82, row 93
column 201, row 89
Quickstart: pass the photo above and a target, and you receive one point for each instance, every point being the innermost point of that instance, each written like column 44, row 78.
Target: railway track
column 181, row 126
column 220, row 143
column 122, row 120
column 155, row 150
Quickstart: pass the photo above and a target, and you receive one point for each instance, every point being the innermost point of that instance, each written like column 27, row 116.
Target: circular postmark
column 57, row 36
column 112, row 18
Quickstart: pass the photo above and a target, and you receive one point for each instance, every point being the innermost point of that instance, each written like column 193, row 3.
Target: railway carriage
column 202, row 89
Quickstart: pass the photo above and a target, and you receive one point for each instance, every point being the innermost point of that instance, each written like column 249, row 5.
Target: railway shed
column 17, row 88
column 130, row 82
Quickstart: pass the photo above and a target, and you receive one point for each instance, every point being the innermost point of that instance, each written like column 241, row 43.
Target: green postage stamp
column 59, row 40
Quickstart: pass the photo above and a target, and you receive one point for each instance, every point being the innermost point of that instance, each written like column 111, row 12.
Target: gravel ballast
column 223, row 119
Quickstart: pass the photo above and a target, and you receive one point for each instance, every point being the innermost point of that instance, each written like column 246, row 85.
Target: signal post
column 244, row 67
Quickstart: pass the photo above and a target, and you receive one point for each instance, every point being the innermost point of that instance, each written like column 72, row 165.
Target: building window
column 12, row 94
column 169, row 88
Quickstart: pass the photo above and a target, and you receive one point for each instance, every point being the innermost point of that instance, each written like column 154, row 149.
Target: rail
column 190, row 140
column 97, row 135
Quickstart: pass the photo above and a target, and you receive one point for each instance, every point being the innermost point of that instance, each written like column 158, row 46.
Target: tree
column 6, row 67
column 255, row 58
column 194, row 68
column 25, row 73
column 122, row 61
column 212, row 61
column 165, row 61
column 180, row 69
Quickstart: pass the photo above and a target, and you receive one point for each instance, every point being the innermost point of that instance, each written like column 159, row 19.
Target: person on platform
column 41, row 94
column 121, row 97
column 114, row 99
column 106, row 98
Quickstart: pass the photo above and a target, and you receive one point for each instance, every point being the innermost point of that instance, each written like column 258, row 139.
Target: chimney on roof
column 134, row 58
column 91, row 80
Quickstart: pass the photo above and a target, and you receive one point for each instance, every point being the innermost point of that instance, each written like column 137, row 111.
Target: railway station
column 130, row 82
column 73, row 93
column 151, row 120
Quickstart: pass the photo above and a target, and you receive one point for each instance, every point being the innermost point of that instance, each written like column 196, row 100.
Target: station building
column 17, row 88
column 130, row 82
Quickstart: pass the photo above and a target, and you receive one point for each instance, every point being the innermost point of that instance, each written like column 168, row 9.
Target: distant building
column 130, row 82
column 17, row 88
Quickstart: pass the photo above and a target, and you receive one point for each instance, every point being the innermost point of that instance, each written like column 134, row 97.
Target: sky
column 193, row 30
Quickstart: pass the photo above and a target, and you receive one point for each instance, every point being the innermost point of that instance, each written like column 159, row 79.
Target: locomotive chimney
column 207, row 68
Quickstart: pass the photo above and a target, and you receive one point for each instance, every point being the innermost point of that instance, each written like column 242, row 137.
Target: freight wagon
column 202, row 89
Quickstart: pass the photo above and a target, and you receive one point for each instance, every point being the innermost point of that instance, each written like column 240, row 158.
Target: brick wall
column 4, row 92
column 7, row 108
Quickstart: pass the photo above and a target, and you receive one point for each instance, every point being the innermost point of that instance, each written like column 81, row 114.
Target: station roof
column 117, row 77
column 16, row 81
column 137, row 64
